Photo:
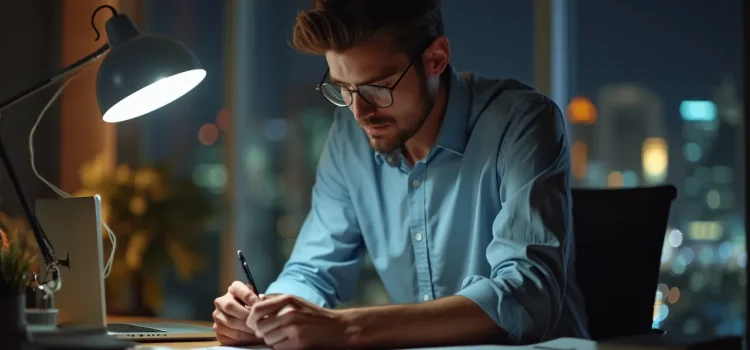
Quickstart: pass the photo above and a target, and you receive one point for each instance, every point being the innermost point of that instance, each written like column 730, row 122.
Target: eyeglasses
column 375, row 95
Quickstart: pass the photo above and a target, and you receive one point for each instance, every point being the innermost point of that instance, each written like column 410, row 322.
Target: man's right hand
column 231, row 315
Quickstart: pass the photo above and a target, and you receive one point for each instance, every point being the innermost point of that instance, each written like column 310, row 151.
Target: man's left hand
column 289, row 322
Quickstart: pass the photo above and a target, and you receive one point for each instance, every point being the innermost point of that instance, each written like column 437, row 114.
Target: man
column 456, row 185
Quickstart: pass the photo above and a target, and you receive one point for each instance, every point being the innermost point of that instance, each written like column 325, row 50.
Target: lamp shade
column 142, row 73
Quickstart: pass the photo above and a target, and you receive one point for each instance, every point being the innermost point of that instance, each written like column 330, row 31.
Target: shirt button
column 426, row 297
column 390, row 160
column 415, row 183
column 418, row 236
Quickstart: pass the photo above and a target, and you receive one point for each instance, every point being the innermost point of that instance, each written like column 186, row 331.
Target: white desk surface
column 557, row 344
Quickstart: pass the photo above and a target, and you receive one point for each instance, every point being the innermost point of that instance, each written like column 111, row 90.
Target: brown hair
column 337, row 25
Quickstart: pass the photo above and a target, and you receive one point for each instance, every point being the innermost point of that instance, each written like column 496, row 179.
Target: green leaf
column 15, row 265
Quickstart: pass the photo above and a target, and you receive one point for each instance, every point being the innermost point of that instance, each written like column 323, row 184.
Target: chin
column 384, row 145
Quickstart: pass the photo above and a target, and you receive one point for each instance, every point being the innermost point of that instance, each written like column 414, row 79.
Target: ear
column 437, row 56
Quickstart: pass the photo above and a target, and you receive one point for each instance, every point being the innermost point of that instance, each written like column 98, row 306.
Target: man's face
column 377, row 64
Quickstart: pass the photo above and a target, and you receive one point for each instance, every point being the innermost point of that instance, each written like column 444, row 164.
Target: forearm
column 454, row 320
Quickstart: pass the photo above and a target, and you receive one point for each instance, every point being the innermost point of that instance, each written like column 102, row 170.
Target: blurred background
column 651, row 89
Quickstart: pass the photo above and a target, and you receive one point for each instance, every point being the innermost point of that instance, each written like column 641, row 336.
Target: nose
column 361, row 109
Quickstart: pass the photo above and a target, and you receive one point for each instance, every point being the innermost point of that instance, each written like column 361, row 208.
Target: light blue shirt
column 486, row 215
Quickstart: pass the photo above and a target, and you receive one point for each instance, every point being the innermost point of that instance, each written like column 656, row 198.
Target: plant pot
column 12, row 321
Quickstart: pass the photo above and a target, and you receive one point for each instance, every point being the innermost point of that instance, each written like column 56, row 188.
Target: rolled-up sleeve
column 527, row 254
column 325, row 262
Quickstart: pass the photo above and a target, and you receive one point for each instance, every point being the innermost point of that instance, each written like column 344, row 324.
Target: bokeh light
column 208, row 134
column 654, row 159
column 222, row 120
column 675, row 238
column 692, row 152
column 615, row 179
column 674, row 295
column 579, row 159
column 713, row 199
column 581, row 111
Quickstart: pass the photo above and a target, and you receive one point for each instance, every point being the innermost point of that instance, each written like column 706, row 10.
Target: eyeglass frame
column 390, row 89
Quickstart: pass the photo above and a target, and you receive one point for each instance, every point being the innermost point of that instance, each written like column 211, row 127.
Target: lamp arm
column 67, row 70
column 45, row 247
column 55, row 78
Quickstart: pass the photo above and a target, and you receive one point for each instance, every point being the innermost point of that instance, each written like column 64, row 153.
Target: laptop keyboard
column 129, row 328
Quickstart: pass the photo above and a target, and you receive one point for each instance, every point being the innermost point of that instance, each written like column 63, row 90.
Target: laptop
column 74, row 228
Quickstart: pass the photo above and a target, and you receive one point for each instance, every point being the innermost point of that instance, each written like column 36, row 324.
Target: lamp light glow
column 154, row 96
column 142, row 72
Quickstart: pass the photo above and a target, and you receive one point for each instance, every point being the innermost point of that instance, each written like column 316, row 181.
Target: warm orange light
column 614, row 179
column 579, row 158
column 581, row 111
column 673, row 295
column 222, row 120
column 208, row 134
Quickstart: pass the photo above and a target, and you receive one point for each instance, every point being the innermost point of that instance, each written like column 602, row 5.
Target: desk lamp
column 140, row 74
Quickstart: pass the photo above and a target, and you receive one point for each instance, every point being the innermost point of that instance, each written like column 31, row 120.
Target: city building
column 630, row 144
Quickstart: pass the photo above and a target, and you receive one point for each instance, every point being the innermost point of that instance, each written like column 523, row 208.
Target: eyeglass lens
column 341, row 96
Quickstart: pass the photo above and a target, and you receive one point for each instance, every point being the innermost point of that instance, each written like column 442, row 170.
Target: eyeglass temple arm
column 322, row 80
column 402, row 76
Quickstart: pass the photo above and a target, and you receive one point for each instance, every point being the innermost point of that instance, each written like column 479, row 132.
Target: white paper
column 163, row 347
column 234, row 347
column 557, row 344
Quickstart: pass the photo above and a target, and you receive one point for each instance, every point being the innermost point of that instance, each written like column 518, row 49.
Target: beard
column 391, row 142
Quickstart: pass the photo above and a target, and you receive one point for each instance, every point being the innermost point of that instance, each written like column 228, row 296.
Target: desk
column 169, row 344
column 650, row 341
column 564, row 345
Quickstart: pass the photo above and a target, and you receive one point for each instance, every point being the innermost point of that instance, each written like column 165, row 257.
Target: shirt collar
column 452, row 134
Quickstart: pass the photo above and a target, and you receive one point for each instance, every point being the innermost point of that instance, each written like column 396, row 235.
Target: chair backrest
column 619, row 235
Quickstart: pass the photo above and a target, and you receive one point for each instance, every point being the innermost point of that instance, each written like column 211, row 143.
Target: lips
column 377, row 129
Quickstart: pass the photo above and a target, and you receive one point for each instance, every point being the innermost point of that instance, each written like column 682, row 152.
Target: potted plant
column 17, row 257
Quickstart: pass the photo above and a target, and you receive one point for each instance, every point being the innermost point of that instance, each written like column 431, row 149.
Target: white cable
column 60, row 192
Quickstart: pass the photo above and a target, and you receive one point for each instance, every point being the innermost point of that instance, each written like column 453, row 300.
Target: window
column 665, row 81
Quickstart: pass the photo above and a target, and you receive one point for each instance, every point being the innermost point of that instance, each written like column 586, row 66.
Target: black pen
column 250, row 279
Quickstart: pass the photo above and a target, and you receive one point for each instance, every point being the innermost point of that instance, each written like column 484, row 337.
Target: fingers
column 232, row 307
column 230, row 322
column 275, row 337
column 286, row 338
column 267, row 307
column 228, row 336
column 228, row 305
column 223, row 340
column 269, row 324
column 243, row 292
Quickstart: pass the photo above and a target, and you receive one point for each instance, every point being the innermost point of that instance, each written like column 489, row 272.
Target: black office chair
column 619, row 234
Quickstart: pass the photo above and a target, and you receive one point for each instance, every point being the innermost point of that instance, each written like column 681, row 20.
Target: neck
column 419, row 145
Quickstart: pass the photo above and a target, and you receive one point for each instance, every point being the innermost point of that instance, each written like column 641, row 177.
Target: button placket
column 417, row 225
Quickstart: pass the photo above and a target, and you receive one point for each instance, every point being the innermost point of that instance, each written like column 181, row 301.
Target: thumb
column 243, row 292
